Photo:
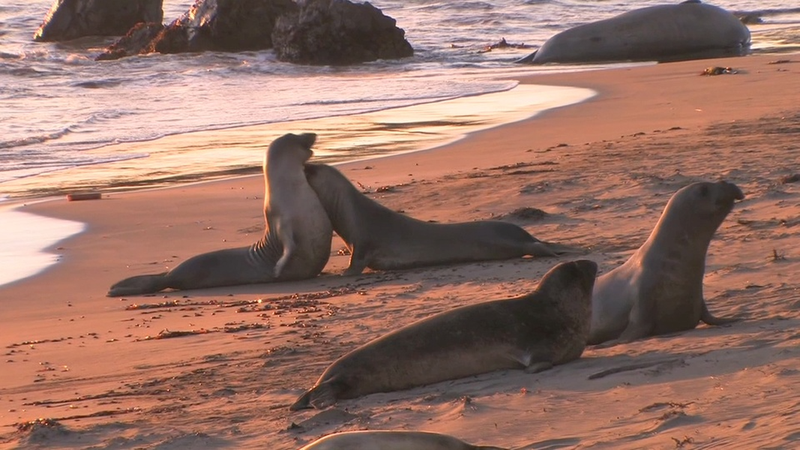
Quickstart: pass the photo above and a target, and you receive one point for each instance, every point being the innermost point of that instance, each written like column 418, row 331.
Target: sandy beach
column 218, row 368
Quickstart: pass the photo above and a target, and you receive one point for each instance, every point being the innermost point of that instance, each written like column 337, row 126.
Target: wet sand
column 217, row 368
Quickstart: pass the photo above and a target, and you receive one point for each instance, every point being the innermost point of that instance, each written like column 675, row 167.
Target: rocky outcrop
column 224, row 25
column 135, row 42
column 71, row 19
column 338, row 32
column 210, row 25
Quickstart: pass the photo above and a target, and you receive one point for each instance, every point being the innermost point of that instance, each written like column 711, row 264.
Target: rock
column 135, row 42
column 71, row 19
column 338, row 32
column 224, row 25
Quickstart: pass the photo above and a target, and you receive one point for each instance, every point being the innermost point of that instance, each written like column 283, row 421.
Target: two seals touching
column 533, row 332
column 382, row 239
column 660, row 288
column 392, row 440
column 686, row 31
column 296, row 243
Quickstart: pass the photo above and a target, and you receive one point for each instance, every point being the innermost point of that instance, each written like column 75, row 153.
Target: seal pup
column 296, row 243
column 534, row 332
column 382, row 239
column 663, row 33
column 392, row 440
column 660, row 288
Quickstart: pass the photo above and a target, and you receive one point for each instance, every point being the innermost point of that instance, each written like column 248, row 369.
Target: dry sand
column 94, row 370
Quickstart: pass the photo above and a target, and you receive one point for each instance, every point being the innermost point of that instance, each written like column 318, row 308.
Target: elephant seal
column 382, row 239
column 534, row 332
column 392, row 440
column 663, row 33
column 660, row 288
column 296, row 243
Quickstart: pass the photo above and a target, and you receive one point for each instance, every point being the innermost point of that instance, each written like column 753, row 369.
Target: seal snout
column 307, row 139
column 588, row 268
column 734, row 190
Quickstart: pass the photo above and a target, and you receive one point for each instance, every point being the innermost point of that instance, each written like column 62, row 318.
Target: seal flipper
column 709, row 319
column 286, row 237
column 358, row 261
column 140, row 284
column 532, row 363
column 539, row 366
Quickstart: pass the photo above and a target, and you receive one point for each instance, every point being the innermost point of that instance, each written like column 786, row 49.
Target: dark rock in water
column 135, row 42
column 224, row 25
column 209, row 25
column 174, row 38
column 71, row 19
column 338, row 32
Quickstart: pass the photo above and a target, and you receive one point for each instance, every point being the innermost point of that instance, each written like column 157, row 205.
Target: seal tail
column 540, row 248
column 320, row 397
column 140, row 284
column 303, row 402
column 527, row 59
column 710, row 319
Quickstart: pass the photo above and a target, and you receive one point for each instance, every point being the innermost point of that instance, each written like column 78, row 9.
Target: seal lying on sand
column 382, row 239
column 533, row 332
column 660, row 288
column 392, row 440
column 689, row 30
column 296, row 244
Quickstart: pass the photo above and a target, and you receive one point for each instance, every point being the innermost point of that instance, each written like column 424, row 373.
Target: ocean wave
column 31, row 140
column 20, row 171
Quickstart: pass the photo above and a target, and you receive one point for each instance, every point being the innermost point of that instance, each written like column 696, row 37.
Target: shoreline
column 236, row 151
column 602, row 171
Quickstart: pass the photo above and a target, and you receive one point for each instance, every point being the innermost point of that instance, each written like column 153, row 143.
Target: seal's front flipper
column 140, row 284
column 540, row 366
column 707, row 318
column 287, row 240
column 358, row 262
column 532, row 363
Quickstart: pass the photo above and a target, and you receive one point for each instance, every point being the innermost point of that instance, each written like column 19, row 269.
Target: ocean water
column 69, row 122
column 24, row 241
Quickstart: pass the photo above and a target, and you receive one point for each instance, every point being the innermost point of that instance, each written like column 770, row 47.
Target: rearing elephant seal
column 392, row 440
column 296, row 243
column 382, row 239
column 660, row 288
column 689, row 30
column 533, row 332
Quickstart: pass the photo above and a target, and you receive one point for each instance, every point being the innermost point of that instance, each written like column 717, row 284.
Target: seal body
column 382, row 239
column 533, row 332
column 296, row 243
column 689, row 30
column 392, row 440
column 659, row 289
